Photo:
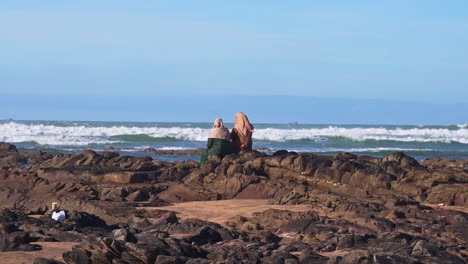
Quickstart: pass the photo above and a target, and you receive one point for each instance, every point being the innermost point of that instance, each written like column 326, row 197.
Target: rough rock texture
column 363, row 209
column 154, row 151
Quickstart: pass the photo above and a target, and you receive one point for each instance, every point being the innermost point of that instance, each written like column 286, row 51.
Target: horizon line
column 204, row 122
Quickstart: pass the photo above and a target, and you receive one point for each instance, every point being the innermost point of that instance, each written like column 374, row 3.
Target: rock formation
column 362, row 209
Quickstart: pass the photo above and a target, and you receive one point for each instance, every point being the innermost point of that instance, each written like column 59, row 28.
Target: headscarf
column 219, row 130
column 242, row 125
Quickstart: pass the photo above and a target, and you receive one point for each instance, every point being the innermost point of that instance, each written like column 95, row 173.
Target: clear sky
column 413, row 51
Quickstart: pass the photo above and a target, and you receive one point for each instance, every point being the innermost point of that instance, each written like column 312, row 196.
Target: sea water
column 132, row 138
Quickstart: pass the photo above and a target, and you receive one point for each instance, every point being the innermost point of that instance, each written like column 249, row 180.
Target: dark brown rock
column 372, row 207
column 6, row 147
column 154, row 151
column 46, row 261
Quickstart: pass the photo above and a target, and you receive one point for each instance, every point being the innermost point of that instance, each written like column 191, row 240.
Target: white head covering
column 219, row 130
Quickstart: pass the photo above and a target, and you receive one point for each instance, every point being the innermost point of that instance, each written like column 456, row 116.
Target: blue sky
column 400, row 51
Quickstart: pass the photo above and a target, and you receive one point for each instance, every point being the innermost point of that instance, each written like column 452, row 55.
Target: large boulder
column 7, row 147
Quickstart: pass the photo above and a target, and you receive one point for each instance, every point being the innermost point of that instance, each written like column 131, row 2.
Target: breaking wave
column 80, row 135
column 362, row 134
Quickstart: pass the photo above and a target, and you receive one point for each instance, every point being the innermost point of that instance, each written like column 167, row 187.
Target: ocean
column 132, row 138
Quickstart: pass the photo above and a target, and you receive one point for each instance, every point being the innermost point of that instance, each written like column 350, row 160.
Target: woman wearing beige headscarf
column 219, row 141
column 241, row 133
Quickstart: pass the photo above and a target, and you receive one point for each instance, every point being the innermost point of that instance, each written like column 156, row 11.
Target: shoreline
column 165, row 141
column 190, row 152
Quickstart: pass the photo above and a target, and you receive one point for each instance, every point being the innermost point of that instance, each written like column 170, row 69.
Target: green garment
column 216, row 147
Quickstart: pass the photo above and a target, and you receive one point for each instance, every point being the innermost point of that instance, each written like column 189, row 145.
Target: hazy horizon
column 260, row 109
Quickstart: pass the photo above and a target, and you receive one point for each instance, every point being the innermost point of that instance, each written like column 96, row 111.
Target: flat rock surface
column 220, row 211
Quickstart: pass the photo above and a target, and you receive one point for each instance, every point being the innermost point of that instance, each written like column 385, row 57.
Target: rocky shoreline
column 362, row 209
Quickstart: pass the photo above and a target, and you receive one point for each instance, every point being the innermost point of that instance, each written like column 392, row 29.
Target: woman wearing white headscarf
column 219, row 141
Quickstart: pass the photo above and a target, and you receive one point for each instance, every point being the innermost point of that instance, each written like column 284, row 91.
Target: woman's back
column 219, row 147
column 219, row 142
column 240, row 142
column 241, row 133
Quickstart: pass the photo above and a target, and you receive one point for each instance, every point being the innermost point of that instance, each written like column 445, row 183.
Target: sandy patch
column 36, row 216
column 220, row 211
column 49, row 250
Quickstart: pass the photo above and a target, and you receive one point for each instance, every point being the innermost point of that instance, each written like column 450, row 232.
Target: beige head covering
column 219, row 130
column 242, row 125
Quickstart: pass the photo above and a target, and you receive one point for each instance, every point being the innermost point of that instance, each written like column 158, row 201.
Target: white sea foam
column 85, row 135
column 142, row 148
column 173, row 148
column 359, row 149
column 360, row 134
column 134, row 149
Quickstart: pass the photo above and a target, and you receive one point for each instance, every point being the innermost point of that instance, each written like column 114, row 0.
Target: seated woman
column 241, row 134
column 219, row 141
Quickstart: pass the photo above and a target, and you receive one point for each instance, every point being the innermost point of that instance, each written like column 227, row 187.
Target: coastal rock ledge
column 358, row 209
